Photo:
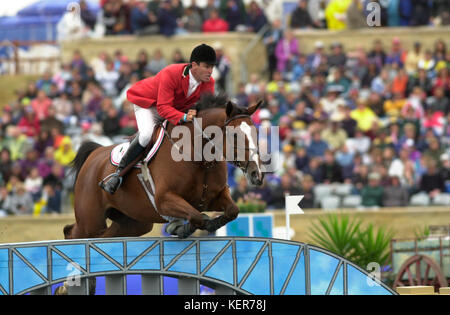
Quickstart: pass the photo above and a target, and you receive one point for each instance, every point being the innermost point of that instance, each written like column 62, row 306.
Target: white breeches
column 146, row 119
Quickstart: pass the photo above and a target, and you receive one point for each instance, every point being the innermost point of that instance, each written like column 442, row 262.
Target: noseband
column 242, row 165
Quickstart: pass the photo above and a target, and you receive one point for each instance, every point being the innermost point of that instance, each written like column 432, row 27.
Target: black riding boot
column 114, row 181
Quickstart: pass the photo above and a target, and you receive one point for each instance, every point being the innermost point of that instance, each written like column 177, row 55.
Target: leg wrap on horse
column 115, row 180
column 180, row 228
column 185, row 230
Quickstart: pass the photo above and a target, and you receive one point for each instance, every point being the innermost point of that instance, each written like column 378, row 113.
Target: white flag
column 292, row 204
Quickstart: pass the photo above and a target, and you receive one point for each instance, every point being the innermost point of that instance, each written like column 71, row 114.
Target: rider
column 168, row 95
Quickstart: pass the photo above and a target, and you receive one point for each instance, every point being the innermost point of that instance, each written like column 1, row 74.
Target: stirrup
column 102, row 182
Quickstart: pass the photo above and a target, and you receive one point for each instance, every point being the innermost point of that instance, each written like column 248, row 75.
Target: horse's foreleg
column 224, row 203
column 173, row 205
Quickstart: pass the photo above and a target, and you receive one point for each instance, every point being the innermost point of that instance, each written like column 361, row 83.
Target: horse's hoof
column 182, row 235
column 213, row 225
column 185, row 230
column 172, row 227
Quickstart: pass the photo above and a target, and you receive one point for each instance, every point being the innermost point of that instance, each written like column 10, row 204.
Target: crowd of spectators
column 170, row 17
column 165, row 17
column 43, row 128
column 376, row 118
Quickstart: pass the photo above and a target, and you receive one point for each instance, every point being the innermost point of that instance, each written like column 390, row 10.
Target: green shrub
column 251, row 204
column 346, row 237
column 373, row 246
column 422, row 233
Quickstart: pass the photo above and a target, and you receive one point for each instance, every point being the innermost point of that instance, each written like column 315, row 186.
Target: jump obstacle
column 228, row 265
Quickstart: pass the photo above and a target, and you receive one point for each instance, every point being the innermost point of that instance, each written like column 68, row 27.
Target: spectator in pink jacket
column 41, row 104
column 286, row 51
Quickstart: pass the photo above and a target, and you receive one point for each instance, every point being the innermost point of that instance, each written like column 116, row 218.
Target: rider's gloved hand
column 189, row 116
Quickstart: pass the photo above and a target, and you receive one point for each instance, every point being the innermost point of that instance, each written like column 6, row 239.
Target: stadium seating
column 351, row 201
column 420, row 199
column 441, row 200
column 329, row 203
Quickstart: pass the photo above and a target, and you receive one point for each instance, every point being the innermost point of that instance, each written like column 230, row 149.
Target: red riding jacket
column 168, row 92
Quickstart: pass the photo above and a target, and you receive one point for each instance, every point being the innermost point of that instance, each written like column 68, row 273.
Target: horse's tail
column 83, row 152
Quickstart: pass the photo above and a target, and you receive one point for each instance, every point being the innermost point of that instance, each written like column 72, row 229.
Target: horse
column 183, row 189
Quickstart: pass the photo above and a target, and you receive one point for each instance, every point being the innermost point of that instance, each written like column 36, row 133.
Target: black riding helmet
column 203, row 53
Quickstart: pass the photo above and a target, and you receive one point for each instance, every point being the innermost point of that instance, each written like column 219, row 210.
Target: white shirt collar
column 193, row 84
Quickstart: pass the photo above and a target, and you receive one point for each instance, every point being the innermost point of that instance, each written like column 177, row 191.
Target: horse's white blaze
column 247, row 130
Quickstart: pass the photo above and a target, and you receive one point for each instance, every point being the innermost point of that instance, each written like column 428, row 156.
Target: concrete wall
column 352, row 39
column 10, row 84
column 404, row 221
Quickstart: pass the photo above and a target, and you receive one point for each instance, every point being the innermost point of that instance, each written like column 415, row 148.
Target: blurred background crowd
column 371, row 123
column 170, row 17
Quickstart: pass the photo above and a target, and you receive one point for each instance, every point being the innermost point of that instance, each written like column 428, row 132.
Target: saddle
column 150, row 151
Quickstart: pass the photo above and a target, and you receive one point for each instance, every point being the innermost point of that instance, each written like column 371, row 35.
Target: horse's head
column 242, row 141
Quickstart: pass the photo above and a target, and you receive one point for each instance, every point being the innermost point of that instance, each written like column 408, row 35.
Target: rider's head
column 203, row 59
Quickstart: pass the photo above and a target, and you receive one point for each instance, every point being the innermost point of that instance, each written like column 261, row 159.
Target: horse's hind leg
column 77, row 231
column 125, row 226
column 68, row 231
column 72, row 231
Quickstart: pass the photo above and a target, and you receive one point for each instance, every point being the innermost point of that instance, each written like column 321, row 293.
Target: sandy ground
column 46, row 227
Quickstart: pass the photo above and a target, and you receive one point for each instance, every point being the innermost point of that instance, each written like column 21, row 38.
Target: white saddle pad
column 119, row 150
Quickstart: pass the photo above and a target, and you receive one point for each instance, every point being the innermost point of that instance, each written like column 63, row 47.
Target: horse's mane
column 209, row 100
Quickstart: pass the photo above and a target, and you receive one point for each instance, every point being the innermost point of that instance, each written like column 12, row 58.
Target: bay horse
column 183, row 189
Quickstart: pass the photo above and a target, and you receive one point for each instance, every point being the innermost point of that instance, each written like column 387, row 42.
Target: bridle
column 239, row 164
column 208, row 165
column 242, row 165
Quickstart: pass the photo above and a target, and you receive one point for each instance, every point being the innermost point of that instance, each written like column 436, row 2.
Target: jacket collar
column 185, row 79
column 186, row 70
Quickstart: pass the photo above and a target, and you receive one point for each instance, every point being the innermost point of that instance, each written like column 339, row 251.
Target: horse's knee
column 232, row 212
column 166, row 207
column 162, row 203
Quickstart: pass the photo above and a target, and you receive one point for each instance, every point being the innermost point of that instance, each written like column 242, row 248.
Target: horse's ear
column 230, row 108
column 253, row 108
